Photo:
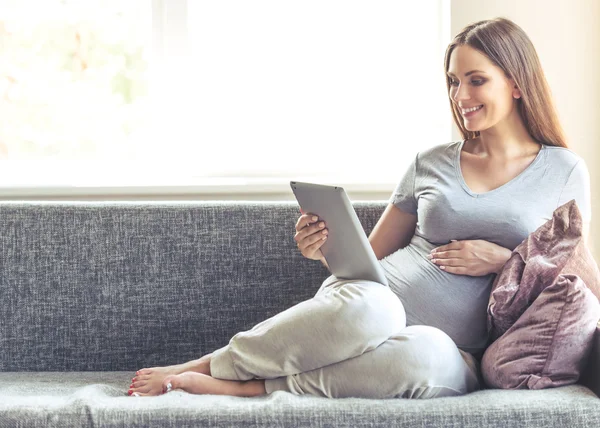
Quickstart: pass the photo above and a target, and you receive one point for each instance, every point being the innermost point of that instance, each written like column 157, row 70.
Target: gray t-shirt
column 433, row 188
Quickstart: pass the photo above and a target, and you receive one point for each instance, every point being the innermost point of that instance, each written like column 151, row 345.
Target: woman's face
column 475, row 82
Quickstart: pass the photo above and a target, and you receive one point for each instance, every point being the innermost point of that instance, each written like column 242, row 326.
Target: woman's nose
column 461, row 93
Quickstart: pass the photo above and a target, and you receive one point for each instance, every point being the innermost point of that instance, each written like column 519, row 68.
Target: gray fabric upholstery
column 154, row 283
column 99, row 399
column 96, row 291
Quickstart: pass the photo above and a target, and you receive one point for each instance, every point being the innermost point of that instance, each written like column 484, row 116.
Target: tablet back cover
column 347, row 250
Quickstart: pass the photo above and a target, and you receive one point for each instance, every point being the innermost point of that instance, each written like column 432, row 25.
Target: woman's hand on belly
column 470, row 257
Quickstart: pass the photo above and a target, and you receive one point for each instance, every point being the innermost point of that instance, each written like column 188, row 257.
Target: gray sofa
column 92, row 292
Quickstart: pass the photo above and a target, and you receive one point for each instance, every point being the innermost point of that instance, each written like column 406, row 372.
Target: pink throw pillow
column 550, row 343
column 555, row 248
column 544, row 308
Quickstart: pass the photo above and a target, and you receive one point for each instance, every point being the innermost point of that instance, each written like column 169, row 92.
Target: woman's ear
column 516, row 92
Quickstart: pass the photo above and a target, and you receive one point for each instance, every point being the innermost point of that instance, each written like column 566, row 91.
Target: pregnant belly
column 456, row 304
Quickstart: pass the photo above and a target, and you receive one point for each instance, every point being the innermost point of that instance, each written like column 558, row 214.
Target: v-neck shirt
column 489, row 193
column 434, row 189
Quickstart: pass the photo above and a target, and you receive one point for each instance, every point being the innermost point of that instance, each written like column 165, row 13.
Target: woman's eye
column 475, row 82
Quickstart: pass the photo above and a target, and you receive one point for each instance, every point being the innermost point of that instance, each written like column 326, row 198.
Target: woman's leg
column 343, row 320
column 418, row 362
column 149, row 381
column 198, row 383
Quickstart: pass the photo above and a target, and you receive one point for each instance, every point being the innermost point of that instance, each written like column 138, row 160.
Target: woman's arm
column 393, row 231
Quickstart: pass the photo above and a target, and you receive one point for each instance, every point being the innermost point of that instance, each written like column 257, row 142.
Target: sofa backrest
column 121, row 286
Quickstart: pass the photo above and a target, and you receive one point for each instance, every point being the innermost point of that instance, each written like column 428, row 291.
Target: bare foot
column 150, row 381
column 198, row 383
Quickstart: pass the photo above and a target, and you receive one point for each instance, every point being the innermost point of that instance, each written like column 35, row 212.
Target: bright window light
column 110, row 93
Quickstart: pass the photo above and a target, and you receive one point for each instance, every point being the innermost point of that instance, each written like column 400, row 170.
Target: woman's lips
column 472, row 113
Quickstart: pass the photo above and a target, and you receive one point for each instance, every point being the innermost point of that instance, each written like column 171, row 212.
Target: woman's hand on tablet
column 310, row 236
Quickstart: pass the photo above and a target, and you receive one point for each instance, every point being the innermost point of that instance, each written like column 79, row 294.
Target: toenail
column 130, row 392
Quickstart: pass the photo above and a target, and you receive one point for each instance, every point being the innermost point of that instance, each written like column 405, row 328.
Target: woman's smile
column 470, row 112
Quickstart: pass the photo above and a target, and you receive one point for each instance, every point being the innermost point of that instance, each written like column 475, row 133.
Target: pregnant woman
column 450, row 226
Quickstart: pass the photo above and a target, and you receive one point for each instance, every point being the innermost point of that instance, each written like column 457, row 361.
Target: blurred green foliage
column 73, row 78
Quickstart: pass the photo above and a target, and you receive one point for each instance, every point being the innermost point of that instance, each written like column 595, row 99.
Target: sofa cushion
column 99, row 399
column 541, row 308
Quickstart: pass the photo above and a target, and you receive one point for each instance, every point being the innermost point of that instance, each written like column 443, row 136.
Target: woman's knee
column 369, row 306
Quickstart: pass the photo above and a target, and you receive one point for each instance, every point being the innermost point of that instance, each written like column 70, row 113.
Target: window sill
column 209, row 189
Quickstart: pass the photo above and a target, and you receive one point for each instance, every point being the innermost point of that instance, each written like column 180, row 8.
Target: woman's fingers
column 310, row 245
column 444, row 254
column 313, row 249
column 312, row 233
column 305, row 220
column 307, row 225
column 305, row 239
column 310, row 236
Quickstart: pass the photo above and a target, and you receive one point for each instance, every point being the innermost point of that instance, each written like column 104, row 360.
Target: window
column 239, row 94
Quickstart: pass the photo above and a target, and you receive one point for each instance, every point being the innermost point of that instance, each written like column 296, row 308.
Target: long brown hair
column 508, row 47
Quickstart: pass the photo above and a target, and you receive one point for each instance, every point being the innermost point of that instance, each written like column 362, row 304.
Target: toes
column 144, row 389
column 138, row 384
column 140, row 388
column 143, row 372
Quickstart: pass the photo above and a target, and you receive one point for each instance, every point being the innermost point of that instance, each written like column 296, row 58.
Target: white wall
column 566, row 36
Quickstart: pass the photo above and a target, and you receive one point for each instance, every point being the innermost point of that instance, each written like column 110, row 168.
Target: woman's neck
column 505, row 141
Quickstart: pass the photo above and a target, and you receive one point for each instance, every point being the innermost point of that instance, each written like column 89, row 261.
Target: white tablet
column 347, row 250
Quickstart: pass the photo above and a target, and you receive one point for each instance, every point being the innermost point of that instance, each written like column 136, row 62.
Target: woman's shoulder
column 445, row 150
column 562, row 157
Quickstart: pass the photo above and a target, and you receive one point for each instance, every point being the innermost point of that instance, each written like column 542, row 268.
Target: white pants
column 350, row 340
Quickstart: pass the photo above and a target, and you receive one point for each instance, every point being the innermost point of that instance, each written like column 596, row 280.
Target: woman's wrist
column 504, row 256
